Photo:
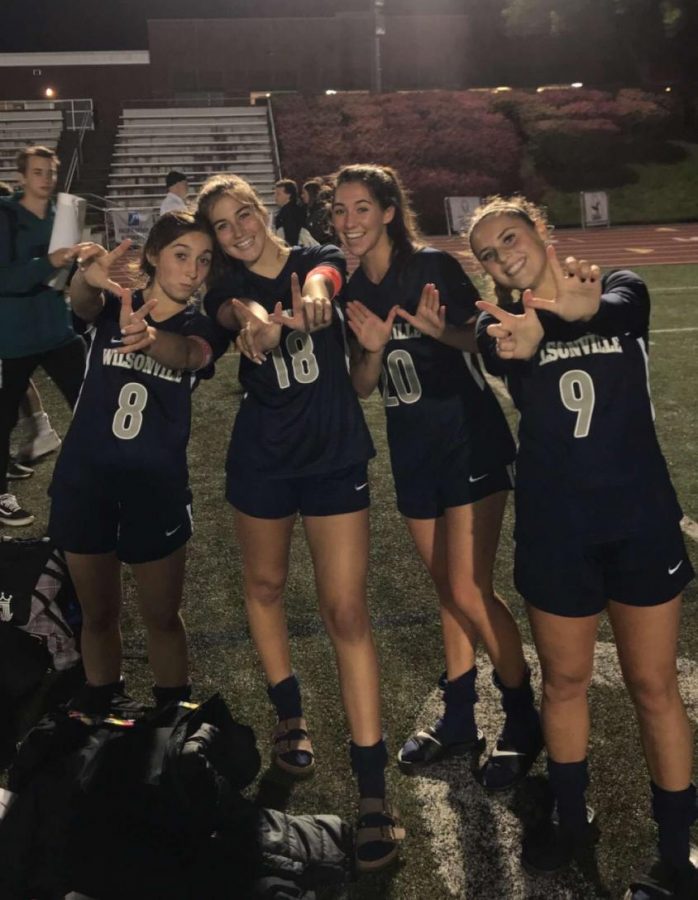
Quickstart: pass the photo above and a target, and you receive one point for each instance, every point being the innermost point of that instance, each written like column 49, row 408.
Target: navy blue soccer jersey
column 589, row 464
column 436, row 398
column 299, row 414
column 133, row 414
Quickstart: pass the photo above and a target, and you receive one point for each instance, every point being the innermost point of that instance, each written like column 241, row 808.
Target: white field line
column 475, row 837
column 673, row 330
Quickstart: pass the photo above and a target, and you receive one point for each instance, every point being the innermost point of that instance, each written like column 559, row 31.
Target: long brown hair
column 387, row 189
column 517, row 206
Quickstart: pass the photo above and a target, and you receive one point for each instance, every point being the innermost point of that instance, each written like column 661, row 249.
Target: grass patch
column 660, row 192
column 408, row 637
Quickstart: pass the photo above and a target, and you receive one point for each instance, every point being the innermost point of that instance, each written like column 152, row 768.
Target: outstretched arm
column 92, row 278
column 514, row 336
column 176, row 351
column 430, row 319
column 372, row 334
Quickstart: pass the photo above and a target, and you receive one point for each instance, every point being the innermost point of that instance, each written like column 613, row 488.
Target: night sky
column 38, row 25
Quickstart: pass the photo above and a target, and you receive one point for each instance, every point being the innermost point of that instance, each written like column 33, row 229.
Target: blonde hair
column 517, row 206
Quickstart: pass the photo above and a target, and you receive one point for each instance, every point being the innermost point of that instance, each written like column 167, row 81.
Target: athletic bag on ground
column 37, row 598
column 151, row 807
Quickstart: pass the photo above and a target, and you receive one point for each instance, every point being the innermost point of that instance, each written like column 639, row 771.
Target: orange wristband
column 332, row 274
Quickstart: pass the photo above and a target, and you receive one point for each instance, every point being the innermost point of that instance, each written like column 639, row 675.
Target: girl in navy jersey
column 120, row 489
column 411, row 313
column 300, row 445
column 597, row 522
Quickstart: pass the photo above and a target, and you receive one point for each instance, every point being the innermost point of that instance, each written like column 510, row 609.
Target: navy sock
column 165, row 695
column 286, row 697
column 674, row 812
column 569, row 782
column 368, row 764
column 96, row 698
column 458, row 722
column 521, row 723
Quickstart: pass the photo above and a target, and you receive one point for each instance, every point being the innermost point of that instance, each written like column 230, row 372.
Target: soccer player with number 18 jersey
column 300, row 446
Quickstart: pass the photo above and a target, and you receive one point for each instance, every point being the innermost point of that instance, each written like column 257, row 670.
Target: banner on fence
column 131, row 223
column 594, row 206
column 459, row 212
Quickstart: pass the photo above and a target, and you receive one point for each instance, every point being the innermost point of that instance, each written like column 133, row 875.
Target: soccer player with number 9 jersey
column 597, row 523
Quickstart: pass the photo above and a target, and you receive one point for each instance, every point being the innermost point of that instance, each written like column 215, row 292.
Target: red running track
column 620, row 246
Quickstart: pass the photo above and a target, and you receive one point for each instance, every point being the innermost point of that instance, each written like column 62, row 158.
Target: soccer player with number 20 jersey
column 410, row 309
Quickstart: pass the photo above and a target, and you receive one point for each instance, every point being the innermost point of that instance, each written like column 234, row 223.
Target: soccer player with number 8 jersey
column 411, row 310
column 120, row 489
column 597, row 524
column 300, row 446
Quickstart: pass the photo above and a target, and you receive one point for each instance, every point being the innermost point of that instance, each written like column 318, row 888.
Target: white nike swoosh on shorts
column 675, row 568
column 174, row 530
column 479, row 478
column 360, row 487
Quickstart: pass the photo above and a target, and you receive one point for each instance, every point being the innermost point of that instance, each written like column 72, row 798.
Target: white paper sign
column 595, row 208
column 131, row 223
column 459, row 212
column 67, row 231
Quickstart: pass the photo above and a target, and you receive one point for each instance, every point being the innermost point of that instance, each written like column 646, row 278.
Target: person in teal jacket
column 35, row 321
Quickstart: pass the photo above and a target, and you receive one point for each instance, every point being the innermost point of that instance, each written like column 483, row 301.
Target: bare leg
column 472, row 536
column 339, row 547
column 160, row 585
column 459, row 634
column 97, row 580
column 646, row 638
column 265, row 546
column 565, row 648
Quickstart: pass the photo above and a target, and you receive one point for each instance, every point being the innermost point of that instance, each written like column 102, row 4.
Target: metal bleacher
column 19, row 128
column 199, row 141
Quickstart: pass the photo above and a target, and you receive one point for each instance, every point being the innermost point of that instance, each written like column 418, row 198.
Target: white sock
column 41, row 422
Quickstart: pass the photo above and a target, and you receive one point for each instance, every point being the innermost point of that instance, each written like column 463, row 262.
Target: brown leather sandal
column 378, row 834
column 289, row 738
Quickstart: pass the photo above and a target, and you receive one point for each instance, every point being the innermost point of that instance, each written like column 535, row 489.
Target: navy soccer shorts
column 579, row 580
column 104, row 516
column 331, row 494
column 425, row 495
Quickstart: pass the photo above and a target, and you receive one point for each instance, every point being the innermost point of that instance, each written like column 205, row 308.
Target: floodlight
column 577, row 84
column 49, row 92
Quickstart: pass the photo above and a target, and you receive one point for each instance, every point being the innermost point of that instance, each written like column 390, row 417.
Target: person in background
column 177, row 189
column 35, row 321
column 597, row 526
column 317, row 199
column 290, row 217
column 33, row 437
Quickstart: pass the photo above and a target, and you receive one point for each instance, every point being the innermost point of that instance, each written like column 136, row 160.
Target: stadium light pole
column 378, row 33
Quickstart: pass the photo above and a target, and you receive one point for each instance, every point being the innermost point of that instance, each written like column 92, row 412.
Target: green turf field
column 461, row 843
